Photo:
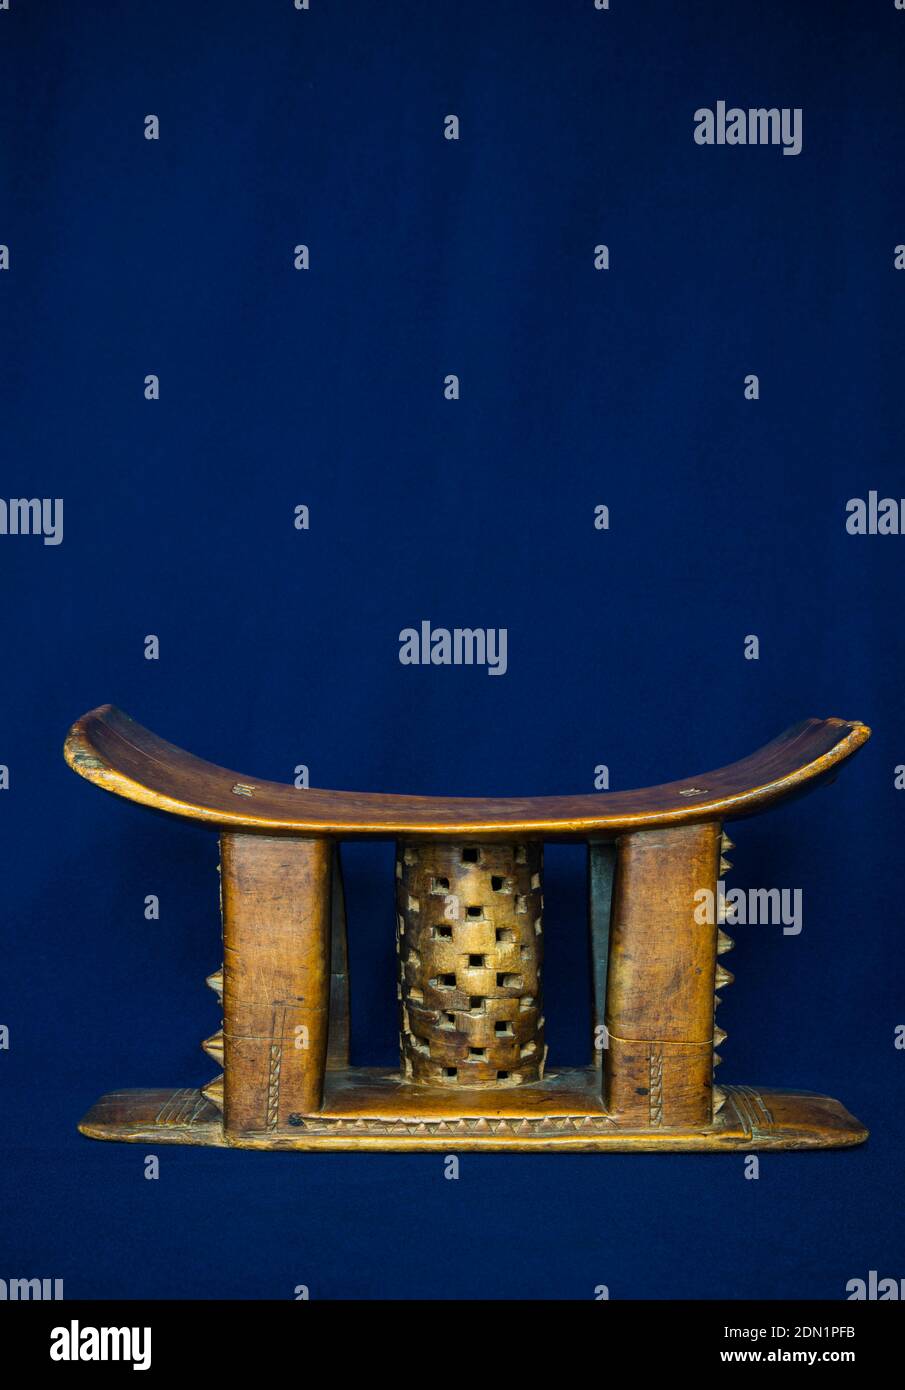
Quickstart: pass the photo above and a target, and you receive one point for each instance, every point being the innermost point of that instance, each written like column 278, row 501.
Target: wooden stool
column 469, row 901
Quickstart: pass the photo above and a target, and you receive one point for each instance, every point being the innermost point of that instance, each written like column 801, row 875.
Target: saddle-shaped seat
column 111, row 750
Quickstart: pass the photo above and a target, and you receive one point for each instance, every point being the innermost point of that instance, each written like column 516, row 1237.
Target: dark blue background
column 278, row 647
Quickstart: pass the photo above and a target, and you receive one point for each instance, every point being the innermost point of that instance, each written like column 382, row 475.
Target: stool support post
column 601, row 875
column 338, row 1032
column 660, row 982
column 276, row 978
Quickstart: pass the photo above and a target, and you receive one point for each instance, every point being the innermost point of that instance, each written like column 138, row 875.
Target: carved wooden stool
column 469, row 924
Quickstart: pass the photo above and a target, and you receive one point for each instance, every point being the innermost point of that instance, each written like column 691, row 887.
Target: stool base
column 371, row 1109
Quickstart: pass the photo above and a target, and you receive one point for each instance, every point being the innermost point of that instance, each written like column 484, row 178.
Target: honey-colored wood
column 469, row 892
column 370, row 1109
column 111, row 750
column 276, row 976
column 658, row 1068
column 470, row 944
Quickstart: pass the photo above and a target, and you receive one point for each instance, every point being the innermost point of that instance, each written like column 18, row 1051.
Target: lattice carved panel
column 470, row 942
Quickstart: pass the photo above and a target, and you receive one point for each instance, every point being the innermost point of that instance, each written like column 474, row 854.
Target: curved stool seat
column 110, row 749
column 470, row 943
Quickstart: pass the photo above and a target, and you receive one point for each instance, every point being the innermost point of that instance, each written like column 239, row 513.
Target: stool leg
column 659, row 1060
column 276, row 978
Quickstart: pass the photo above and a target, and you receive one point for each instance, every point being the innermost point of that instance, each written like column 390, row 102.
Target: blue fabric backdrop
column 578, row 387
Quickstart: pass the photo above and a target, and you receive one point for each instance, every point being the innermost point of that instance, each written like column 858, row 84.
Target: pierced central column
column 470, row 944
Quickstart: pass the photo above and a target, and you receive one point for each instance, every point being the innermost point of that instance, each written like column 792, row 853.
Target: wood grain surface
column 108, row 748
column 658, row 1068
column 276, row 977
column 370, row 1110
